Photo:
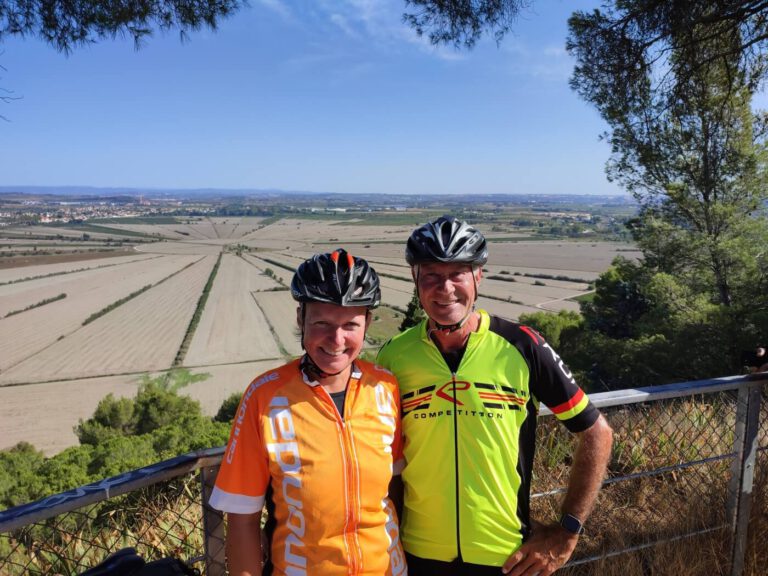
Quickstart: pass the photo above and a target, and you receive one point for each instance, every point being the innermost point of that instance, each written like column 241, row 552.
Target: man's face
column 334, row 335
column 446, row 290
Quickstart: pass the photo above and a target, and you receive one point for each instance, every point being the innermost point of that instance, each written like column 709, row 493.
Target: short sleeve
column 243, row 477
column 553, row 384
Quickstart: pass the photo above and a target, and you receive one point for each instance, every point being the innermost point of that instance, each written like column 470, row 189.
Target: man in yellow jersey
column 318, row 441
column 470, row 386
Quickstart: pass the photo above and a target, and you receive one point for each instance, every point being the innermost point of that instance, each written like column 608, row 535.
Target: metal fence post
column 743, row 471
column 213, row 526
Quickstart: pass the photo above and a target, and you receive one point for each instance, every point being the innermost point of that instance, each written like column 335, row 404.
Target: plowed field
column 233, row 328
column 25, row 335
column 141, row 335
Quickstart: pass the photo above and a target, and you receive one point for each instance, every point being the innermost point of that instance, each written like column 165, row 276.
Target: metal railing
column 689, row 468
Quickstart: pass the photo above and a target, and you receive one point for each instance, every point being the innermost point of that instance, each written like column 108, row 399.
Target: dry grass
column 667, row 507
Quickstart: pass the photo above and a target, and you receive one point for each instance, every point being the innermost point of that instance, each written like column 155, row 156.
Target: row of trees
column 646, row 327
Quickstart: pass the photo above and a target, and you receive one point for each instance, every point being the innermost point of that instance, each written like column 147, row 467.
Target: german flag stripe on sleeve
column 573, row 407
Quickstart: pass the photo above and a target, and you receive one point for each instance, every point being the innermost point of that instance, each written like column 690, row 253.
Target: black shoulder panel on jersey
column 551, row 382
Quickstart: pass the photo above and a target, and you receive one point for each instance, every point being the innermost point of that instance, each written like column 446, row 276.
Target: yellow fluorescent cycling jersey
column 328, row 477
column 469, row 436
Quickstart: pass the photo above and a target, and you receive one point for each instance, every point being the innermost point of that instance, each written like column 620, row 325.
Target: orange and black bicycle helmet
column 336, row 278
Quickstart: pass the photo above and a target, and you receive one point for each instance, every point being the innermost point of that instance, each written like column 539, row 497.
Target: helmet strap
column 303, row 309
column 313, row 371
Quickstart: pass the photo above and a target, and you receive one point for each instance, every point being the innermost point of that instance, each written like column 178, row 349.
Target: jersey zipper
column 456, row 466
column 455, row 441
column 351, row 482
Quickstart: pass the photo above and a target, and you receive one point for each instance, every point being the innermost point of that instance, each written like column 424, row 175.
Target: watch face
column 571, row 524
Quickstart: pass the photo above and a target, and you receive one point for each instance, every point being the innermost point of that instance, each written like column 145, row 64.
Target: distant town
column 557, row 215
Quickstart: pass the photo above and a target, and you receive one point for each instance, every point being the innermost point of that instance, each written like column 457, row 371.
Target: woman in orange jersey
column 318, row 441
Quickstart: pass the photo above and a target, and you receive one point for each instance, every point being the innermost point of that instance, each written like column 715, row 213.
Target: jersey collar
column 482, row 327
column 310, row 381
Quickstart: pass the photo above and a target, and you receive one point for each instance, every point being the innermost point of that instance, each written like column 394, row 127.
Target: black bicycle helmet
column 446, row 240
column 336, row 278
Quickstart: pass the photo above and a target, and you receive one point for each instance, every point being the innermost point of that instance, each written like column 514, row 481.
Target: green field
column 364, row 218
column 385, row 324
column 584, row 297
column 95, row 228
column 138, row 220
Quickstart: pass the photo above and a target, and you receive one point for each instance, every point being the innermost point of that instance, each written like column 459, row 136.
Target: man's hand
column 548, row 548
column 761, row 354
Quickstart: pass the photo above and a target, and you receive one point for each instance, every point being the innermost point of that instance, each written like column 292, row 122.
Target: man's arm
column 550, row 546
column 244, row 552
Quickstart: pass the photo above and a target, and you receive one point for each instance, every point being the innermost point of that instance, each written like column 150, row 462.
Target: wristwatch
column 571, row 524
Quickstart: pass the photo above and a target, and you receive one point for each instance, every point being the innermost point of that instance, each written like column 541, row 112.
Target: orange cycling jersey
column 328, row 475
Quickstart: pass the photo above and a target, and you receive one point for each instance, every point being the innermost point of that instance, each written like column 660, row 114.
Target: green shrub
column 123, row 434
column 19, row 480
column 228, row 409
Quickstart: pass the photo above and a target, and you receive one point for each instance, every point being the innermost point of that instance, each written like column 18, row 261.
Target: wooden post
column 743, row 471
column 213, row 526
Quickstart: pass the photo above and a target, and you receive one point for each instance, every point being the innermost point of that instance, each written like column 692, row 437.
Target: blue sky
column 320, row 95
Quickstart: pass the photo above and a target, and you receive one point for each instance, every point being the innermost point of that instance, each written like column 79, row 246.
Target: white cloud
column 278, row 7
column 341, row 22
column 380, row 22
column 549, row 63
column 374, row 25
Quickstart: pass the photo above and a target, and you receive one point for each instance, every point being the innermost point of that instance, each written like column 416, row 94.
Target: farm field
column 199, row 230
column 280, row 311
column 235, row 227
column 141, row 335
column 184, row 228
column 283, row 276
column 581, row 260
column 51, row 232
column 211, row 247
column 43, row 245
column 48, row 359
column 231, row 327
column 17, row 274
column 25, row 335
column 96, row 279
column 59, row 405
column 531, row 294
column 504, row 309
column 308, row 232
column 395, row 293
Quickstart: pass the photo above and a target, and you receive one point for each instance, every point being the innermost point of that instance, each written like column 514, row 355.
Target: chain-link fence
column 680, row 488
column 157, row 510
column 687, row 493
